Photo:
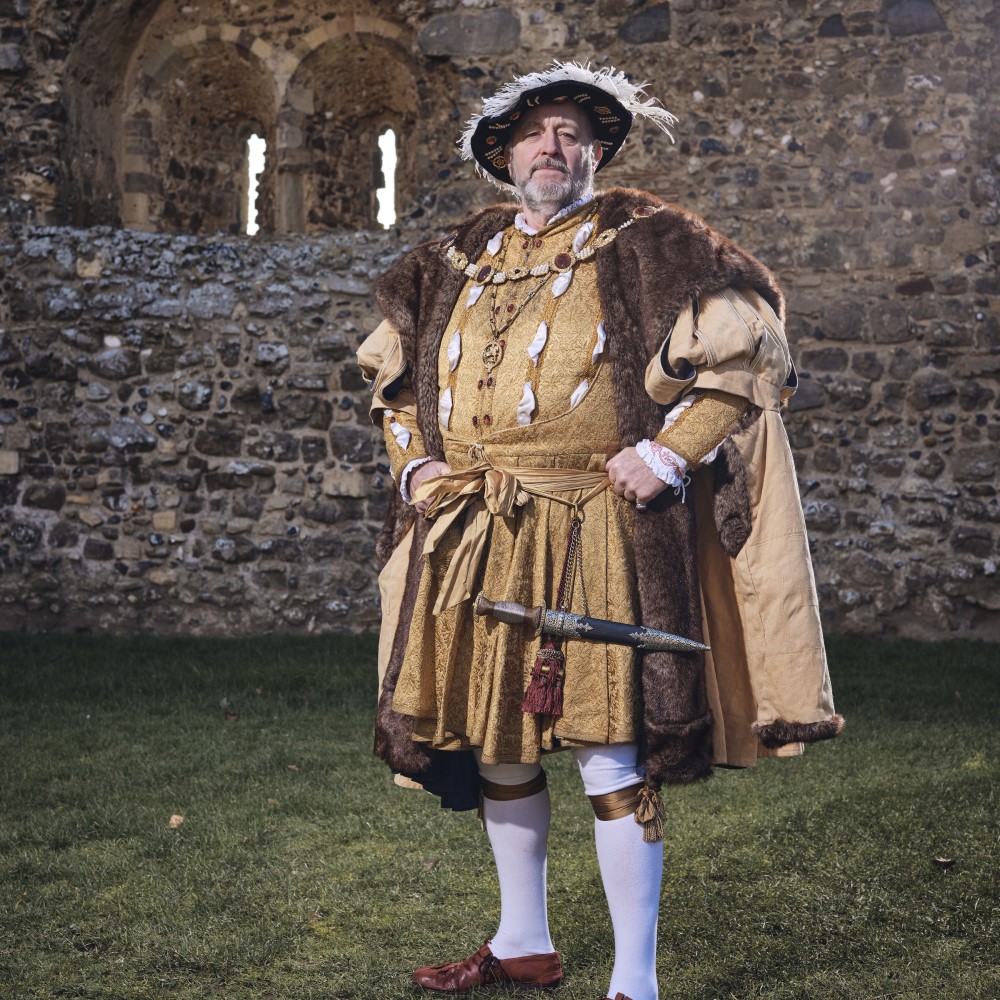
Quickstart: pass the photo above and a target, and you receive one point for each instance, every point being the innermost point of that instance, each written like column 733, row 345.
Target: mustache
column 552, row 164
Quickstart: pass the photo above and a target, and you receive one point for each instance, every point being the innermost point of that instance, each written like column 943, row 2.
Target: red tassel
column 545, row 692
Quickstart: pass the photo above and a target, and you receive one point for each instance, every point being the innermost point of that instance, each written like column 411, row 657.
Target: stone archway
column 159, row 127
column 195, row 100
column 354, row 83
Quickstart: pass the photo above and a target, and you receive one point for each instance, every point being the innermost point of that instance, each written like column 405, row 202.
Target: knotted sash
column 489, row 491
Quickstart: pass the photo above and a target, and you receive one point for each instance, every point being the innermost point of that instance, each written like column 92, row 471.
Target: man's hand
column 632, row 479
column 426, row 471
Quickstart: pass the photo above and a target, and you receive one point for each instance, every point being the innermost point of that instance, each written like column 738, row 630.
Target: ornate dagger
column 570, row 626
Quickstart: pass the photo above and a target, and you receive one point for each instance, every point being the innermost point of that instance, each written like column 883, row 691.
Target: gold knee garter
column 639, row 799
column 507, row 793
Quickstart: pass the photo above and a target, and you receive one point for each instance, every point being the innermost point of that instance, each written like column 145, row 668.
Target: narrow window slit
column 256, row 146
column 387, row 194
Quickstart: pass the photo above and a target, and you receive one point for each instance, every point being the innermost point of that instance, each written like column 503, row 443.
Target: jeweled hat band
column 609, row 119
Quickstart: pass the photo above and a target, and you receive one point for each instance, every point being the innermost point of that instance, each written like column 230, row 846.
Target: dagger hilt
column 510, row 612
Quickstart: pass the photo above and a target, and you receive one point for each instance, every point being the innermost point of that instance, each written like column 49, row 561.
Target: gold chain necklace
column 484, row 273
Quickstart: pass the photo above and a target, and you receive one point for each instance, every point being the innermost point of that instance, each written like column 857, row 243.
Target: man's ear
column 598, row 152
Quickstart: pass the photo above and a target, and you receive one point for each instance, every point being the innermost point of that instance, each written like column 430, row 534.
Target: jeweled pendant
column 492, row 355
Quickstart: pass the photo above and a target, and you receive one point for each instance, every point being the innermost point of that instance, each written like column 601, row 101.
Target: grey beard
column 556, row 193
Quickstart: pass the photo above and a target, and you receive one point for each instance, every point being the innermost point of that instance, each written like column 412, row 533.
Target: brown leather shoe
column 485, row 969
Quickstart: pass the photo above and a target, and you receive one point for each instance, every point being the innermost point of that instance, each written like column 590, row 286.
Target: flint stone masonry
column 184, row 440
column 142, row 495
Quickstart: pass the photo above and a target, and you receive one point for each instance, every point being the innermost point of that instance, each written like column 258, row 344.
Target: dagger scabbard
column 570, row 626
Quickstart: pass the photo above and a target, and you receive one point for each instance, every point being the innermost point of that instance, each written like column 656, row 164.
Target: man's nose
column 551, row 145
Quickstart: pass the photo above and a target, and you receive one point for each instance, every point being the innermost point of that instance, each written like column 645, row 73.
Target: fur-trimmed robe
column 655, row 268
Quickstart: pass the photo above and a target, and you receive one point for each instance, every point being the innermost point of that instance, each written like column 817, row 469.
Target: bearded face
column 553, row 157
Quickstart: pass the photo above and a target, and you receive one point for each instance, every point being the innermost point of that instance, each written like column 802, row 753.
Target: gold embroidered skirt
column 464, row 677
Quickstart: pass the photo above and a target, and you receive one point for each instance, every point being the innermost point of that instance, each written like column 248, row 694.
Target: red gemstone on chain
column 480, row 384
column 538, row 243
column 510, row 307
column 475, row 421
column 489, row 382
column 503, row 343
column 484, row 272
column 563, row 261
column 526, row 244
column 487, row 420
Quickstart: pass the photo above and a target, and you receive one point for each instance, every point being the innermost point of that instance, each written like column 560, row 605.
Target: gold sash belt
column 488, row 492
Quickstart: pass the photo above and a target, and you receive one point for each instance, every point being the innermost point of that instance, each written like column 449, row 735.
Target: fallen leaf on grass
column 175, row 821
column 432, row 864
column 293, row 767
column 230, row 716
column 273, row 802
column 944, row 862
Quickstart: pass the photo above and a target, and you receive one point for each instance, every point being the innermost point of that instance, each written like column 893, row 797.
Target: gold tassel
column 650, row 814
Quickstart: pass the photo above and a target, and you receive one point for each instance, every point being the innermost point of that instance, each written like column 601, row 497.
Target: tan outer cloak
column 760, row 609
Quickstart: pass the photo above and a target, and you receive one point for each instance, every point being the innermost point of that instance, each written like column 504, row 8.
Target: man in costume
column 580, row 395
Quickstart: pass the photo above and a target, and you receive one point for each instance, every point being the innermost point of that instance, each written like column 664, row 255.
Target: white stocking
column 631, row 870
column 518, row 830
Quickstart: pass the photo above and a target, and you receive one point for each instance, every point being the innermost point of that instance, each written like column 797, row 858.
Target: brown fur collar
column 645, row 278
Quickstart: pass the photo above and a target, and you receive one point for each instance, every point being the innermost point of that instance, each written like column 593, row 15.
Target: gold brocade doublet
column 524, row 382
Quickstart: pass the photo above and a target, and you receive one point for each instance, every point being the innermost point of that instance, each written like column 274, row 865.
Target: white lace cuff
column 665, row 464
column 404, row 478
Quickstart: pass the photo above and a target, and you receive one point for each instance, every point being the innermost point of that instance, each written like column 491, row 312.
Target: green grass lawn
column 299, row 871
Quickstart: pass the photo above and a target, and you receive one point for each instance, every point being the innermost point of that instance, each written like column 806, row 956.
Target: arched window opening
column 387, row 194
column 256, row 147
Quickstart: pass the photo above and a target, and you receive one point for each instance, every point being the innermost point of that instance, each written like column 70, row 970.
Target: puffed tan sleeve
column 700, row 423
column 384, row 368
column 733, row 343
column 393, row 404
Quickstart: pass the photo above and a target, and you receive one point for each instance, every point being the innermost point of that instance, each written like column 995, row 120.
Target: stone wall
column 854, row 146
column 184, row 434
